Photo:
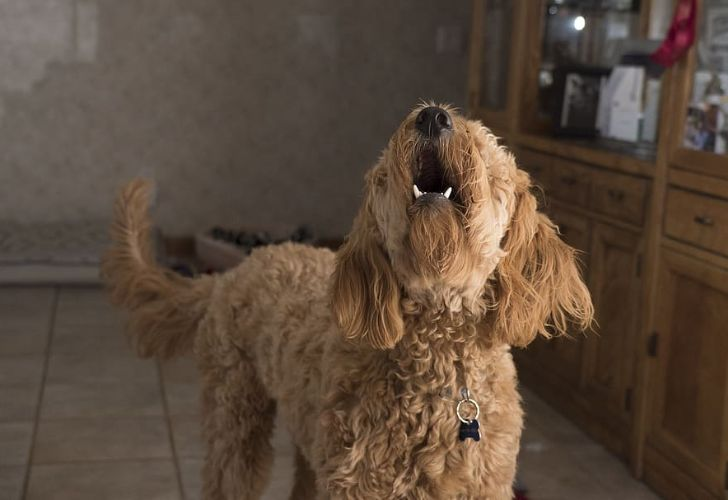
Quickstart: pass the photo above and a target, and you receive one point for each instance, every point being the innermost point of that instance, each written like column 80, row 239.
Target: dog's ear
column 365, row 292
column 538, row 289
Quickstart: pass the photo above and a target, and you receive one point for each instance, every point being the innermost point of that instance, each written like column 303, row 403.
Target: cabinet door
column 566, row 353
column 610, row 351
column 490, row 52
column 700, row 133
column 574, row 33
column 689, row 419
column 561, row 357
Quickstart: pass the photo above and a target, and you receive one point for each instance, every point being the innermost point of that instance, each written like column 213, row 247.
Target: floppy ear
column 539, row 289
column 365, row 292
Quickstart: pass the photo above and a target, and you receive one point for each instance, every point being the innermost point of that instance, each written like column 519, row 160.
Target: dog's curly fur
column 364, row 351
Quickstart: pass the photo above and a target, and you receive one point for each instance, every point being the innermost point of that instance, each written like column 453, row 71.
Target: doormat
column 52, row 253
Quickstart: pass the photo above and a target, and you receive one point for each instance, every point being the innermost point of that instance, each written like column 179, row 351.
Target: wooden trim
column 701, row 161
column 474, row 66
column 650, row 290
column 681, row 75
column 695, row 252
column 698, row 182
column 529, row 90
column 517, row 71
column 645, row 11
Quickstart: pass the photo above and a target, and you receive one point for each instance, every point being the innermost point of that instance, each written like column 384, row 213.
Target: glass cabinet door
column 496, row 26
column 583, row 33
column 706, row 124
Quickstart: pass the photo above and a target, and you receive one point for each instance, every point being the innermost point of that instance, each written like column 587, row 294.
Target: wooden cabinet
column 610, row 354
column 651, row 382
column 688, row 420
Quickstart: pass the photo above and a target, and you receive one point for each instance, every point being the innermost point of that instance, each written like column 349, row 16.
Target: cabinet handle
column 616, row 194
column 569, row 181
column 652, row 345
column 704, row 220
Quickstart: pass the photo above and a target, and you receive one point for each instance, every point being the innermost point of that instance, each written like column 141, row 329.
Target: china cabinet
column 649, row 216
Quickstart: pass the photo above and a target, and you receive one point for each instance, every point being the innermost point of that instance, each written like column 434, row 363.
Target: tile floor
column 82, row 418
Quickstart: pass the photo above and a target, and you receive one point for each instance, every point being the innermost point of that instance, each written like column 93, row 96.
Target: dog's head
column 449, row 223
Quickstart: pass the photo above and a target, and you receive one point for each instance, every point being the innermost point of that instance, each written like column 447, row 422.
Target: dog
column 389, row 360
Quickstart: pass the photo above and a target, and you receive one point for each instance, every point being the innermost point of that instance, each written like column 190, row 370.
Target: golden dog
column 366, row 353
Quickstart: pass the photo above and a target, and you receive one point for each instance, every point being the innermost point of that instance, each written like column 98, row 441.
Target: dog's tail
column 165, row 308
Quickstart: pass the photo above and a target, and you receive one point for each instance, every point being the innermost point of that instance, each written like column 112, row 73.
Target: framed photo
column 576, row 108
column 713, row 45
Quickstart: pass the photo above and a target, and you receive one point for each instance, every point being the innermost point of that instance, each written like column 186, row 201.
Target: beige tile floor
column 81, row 418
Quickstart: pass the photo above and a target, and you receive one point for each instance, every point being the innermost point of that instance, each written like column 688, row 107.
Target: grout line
column 41, row 390
column 92, row 461
column 81, row 418
column 170, row 433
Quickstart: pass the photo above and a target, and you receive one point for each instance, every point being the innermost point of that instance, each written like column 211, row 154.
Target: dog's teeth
column 447, row 193
column 416, row 191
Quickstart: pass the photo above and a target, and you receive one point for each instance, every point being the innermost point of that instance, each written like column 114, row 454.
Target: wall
column 241, row 110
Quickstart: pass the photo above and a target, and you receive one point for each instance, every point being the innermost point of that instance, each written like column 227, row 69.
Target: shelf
column 624, row 157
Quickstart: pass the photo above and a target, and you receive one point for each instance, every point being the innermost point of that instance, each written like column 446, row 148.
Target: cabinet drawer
column 570, row 182
column 620, row 196
column 697, row 219
column 537, row 165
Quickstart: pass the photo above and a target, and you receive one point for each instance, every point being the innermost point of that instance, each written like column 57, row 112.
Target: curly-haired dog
column 365, row 352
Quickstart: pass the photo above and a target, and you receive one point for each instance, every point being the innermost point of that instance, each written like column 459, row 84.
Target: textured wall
column 242, row 110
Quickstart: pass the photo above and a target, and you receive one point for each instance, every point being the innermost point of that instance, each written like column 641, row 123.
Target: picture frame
column 576, row 109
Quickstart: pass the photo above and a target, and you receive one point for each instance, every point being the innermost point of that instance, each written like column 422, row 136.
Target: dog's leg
column 237, row 424
column 304, row 482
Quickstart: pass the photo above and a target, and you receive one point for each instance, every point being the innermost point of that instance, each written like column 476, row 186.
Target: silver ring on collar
column 472, row 403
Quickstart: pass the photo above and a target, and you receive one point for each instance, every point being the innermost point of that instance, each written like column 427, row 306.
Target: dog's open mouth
column 431, row 178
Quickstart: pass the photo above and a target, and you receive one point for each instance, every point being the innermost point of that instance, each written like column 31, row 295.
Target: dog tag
column 469, row 430
column 469, row 427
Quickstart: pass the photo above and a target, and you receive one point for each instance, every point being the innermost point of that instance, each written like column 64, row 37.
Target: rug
column 52, row 253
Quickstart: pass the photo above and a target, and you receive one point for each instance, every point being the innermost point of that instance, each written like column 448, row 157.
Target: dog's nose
column 433, row 120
